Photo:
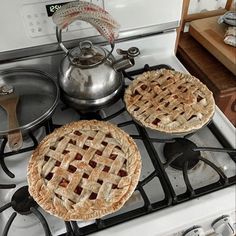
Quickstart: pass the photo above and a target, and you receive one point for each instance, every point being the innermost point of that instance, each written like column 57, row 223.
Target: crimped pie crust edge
column 53, row 205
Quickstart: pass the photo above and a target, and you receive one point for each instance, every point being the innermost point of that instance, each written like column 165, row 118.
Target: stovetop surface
column 161, row 184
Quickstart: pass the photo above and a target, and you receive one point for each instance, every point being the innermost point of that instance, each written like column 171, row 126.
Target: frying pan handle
column 14, row 137
column 15, row 140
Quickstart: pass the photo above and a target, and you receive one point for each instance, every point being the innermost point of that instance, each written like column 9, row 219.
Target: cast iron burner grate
column 182, row 154
column 23, row 204
column 90, row 116
column 170, row 198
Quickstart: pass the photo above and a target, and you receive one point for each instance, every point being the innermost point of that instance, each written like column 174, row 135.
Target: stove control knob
column 194, row 231
column 223, row 226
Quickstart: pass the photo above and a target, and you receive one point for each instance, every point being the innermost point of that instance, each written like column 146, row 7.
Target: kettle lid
column 87, row 55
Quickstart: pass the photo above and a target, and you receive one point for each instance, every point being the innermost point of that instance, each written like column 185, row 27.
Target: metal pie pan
column 169, row 135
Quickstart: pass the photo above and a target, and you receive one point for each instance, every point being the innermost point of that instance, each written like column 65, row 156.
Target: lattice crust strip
column 169, row 101
column 84, row 170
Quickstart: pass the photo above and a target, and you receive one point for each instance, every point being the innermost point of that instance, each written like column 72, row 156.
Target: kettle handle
column 63, row 47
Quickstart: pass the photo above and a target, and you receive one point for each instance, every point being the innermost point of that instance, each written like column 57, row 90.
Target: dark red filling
column 46, row 158
column 98, row 152
column 156, row 121
column 86, row 176
column 92, row 164
column 199, row 98
column 85, row 147
column 60, row 138
column 72, row 141
column 193, row 116
column 49, row 176
column 106, row 168
column 109, row 135
column 167, row 104
column 58, row 163
column 78, row 156
column 77, row 133
column 113, row 156
column 114, row 186
column 118, row 147
column 71, row 169
column 93, row 196
column 122, row 173
column 136, row 93
column 104, row 143
column 65, row 152
column 78, row 190
column 100, row 181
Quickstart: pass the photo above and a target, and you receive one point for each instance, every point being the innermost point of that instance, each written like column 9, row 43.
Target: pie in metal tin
column 84, row 170
column 169, row 101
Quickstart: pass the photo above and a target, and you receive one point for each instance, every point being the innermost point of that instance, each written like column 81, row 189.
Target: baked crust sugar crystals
column 84, row 170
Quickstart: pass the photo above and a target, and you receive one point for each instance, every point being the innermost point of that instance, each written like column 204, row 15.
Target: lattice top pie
column 169, row 101
column 84, row 170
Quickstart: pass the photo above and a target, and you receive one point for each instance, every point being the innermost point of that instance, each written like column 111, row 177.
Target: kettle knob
column 130, row 53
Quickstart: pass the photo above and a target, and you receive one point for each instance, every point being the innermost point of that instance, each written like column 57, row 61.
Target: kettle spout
column 123, row 64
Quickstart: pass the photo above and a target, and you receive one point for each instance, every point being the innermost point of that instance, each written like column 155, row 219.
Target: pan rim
column 43, row 117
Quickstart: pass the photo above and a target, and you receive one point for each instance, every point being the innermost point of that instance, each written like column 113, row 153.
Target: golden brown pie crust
column 84, row 170
column 169, row 101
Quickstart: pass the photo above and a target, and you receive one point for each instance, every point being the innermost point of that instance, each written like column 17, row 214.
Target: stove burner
column 184, row 148
column 22, row 201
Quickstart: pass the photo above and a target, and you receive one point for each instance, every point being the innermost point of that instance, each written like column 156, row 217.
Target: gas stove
column 187, row 184
column 172, row 173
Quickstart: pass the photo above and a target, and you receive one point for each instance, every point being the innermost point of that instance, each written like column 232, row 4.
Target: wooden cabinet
column 210, row 71
column 210, row 34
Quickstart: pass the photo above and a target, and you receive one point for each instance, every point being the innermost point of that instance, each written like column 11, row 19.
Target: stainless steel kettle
column 89, row 76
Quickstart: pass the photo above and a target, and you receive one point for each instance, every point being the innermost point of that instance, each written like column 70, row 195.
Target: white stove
column 163, row 204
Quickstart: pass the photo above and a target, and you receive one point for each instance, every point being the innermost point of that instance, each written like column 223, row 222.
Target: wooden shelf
column 210, row 34
column 210, row 71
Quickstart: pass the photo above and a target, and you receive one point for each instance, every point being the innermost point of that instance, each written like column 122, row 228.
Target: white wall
column 196, row 6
